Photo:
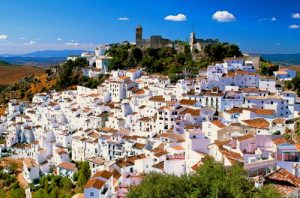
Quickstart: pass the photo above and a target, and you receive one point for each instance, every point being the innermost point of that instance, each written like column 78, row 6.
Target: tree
column 264, row 70
column 211, row 180
column 219, row 51
column 84, row 174
column 288, row 84
column 296, row 84
column 137, row 55
column 67, row 184
column 17, row 193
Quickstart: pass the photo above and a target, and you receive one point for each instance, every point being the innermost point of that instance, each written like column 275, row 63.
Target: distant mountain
column 285, row 59
column 4, row 63
column 33, row 61
column 40, row 58
column 53, row 53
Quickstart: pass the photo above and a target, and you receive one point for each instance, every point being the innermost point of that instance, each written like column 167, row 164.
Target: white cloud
column 296, row 16
column 223, row 16
column 22, row 38
column 73, row 43
column 123, row 19
column 277, row 43
column 294, row 26
column 32, row 42
column 178, row 17
column 273, row 19
column 3, row 37
column 59, row 39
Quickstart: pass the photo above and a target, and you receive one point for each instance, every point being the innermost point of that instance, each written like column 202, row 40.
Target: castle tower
column 139, row 36
column 192, row 40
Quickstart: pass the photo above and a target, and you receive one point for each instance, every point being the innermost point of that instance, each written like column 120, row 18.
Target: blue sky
column 264, row 26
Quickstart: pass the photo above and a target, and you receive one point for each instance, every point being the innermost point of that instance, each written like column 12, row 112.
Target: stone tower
column 139, row 35
column 192, row 40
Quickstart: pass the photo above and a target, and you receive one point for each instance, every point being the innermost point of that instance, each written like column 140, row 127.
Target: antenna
column 193, row 27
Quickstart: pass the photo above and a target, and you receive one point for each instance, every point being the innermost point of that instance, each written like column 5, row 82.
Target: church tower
column 139, row 36
column 192, row 40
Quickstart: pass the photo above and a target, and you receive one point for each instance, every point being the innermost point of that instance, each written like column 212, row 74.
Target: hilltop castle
column 155, row 41
column 200, row 44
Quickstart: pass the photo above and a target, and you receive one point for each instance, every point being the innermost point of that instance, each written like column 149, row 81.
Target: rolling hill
column 40, row 58
column 10, row 74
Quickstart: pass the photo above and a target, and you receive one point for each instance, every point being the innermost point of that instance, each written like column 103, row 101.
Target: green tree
column 137, row 55
column 211, row 180
column 84, row 174
column 17, row 193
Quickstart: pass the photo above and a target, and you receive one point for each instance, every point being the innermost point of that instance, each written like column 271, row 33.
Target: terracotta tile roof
column 257, row 111
column 246, row 73
column 157, row 99
column 178, row 148
column 160, row 153
column 210, row 93
column 104, row 174
column 278, row 121
column 139, row 146
column 116, row 174
column 283, row 181
column 145, row 119
column 132, row 70
column 218, row 123
column 193, row 112
column 245, row 137
column 232, row 156
column 68, row 166
column 258, row 123
column 280, row 141
column 188, row 102
column 94, row 183
column 220, row 143
column 160, row 165
column 196, row 166
column 123, row 77
column 141, row 156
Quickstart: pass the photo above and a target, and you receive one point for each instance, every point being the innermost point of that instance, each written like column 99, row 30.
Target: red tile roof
column 104, row 174
column 68, row 166
column 218, row 123
column 258, row 123
column 283, row 181
column 94, row 183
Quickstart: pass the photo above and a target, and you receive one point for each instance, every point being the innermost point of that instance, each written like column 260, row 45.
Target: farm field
column 10, row 74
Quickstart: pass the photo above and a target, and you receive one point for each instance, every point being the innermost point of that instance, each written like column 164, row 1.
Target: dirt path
column 23, row 183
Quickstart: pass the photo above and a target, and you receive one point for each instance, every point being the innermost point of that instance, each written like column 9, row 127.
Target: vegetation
column 267, row 68
column 54, row 186
column 211, row 180
column 293, row 85
column 70, row 74
column 11, row 185
column 168, row 61
column 218, row 51
column 83, row 174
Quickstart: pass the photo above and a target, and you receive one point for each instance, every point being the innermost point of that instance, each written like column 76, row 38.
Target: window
column 92, row 194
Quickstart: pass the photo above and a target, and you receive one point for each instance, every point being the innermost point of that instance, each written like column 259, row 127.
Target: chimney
column 259, row 181
column 296, row 170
